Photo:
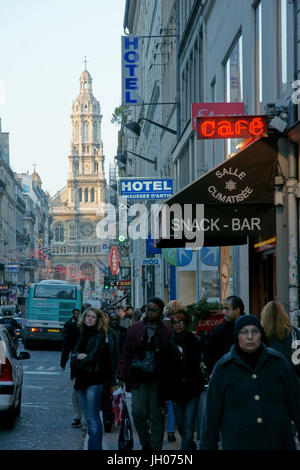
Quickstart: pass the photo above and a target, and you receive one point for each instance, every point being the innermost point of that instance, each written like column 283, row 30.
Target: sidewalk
column 110, row 440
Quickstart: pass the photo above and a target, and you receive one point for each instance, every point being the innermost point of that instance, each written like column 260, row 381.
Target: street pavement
column 110, row 440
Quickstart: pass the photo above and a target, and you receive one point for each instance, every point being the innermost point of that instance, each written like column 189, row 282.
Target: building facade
column 75, row 209
column 224, row 52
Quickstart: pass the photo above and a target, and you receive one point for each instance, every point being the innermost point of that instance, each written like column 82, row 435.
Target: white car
column 11, row 379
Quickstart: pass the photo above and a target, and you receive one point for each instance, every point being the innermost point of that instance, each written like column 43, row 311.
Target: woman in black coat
column 279, row 331
column 181, row 377
column 91, row 367
column 253, row 395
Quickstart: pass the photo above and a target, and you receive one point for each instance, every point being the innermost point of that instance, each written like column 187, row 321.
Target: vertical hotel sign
column 114, row 260
column 131, row 70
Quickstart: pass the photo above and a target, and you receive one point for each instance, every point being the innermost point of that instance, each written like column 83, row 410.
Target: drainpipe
column 292, row 203
column 293, row 234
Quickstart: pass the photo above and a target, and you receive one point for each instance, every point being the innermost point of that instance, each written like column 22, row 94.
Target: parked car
column 19, row 328
column 7, row 310
column 11, row 379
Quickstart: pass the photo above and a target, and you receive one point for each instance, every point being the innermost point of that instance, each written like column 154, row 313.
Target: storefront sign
column 233, row 127
column 114, row 260
column 209, row 324
column 131, row 70
column 125, row 284
column 3, row 287
column 215, row 109
column 146, row 188
column 151, row 262
column 13, row 268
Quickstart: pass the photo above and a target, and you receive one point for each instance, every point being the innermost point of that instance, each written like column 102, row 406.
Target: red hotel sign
column 114, row 260
column 232, row 127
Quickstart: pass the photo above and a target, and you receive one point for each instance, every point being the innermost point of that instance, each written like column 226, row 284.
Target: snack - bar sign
column 232, row 127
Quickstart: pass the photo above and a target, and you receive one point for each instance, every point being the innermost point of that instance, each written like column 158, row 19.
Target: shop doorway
column 262, row 266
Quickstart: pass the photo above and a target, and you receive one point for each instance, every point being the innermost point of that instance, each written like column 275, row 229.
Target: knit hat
column 246, row 320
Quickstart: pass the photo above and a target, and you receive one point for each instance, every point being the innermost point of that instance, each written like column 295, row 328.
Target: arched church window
column 80, row 194
column 92, row 195
column 59, row 233
column 85, row 132
column 85, row 85
column 86, row 195
column 76, row 131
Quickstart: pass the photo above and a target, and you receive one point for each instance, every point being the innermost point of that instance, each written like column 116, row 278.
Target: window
column 213, row 100
column 282, row 45
column 86, row 195
column 80, row 194
column 92, row 195
column 59, row 233
column 233, row 69
column 258, row 58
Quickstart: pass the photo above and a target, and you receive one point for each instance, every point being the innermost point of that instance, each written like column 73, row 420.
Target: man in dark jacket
column 253, row 396
column 147, row 335
column 222, row 338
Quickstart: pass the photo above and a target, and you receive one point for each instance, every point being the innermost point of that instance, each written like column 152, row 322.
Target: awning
column 120, row 300
column 237, row 198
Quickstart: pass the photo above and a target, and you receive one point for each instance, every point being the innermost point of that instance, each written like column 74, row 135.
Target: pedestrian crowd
column 238, row 387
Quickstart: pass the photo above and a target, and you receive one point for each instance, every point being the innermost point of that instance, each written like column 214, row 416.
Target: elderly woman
column 253, row 395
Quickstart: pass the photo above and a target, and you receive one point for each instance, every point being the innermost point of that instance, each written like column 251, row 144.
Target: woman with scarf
column 91, row 367
column 181, row 377
column 253, row 395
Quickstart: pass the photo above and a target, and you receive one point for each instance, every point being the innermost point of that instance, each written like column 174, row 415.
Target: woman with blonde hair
column 91, row 364
column 278, row 329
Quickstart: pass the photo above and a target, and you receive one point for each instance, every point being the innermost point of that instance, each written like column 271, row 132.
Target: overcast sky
column 42, row 49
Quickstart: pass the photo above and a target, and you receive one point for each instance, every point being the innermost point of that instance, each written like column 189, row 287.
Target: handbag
column 143, row 369
column 125, row 441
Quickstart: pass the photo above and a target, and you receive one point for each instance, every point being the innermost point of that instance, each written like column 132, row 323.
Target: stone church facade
column 76, row 253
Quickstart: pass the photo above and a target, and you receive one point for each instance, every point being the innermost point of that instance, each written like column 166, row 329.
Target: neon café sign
column 231, row 127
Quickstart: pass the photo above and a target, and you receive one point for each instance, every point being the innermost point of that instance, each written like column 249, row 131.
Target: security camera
column 278, row 124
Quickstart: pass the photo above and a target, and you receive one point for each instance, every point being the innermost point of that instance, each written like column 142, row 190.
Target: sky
column 42, row 49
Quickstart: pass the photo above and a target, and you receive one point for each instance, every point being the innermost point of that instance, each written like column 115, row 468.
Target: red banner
column 215, row 109
column 114, row 260
column 210, row 323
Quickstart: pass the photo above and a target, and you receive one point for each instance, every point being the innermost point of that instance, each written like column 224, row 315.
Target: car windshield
column 55, row 292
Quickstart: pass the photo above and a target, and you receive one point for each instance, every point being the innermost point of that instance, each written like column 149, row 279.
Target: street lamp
column 135, row 127
column 121, row 158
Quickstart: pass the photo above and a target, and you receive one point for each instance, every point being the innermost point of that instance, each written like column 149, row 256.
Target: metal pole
column 293, row 235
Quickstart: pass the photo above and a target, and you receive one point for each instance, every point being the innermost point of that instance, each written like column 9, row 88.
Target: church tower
column 86, row 162
column 76, row 251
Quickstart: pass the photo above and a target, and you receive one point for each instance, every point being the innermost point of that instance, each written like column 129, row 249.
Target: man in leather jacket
column 148, row 334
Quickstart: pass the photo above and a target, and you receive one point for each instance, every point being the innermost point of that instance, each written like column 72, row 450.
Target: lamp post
column 136, row 128
column 121, row 158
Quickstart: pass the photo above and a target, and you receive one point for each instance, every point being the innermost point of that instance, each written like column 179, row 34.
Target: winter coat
column 96, row 368
column 119, row 335
column 253, row 408
column 181, row 377
column 285, row 347
column 219, row 343
column 135, row 345
column 70, row 334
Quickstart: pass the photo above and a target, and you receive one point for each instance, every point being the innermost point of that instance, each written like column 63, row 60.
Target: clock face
column 86, row 166
column 86, row 230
